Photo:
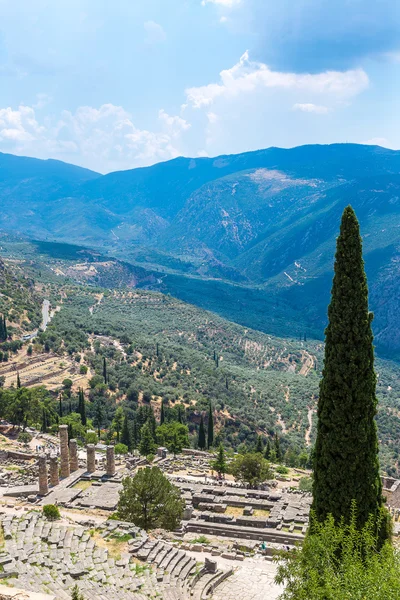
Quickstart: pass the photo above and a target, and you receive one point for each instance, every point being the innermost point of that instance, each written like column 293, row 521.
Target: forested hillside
column 250, row 236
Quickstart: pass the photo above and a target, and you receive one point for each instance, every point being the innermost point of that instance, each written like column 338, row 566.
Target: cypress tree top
column 346, row 463
column 210, row 428
column 201, row 442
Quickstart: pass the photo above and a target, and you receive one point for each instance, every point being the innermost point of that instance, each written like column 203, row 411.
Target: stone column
column 64, row 451
column 110, row 468
column 43, row 484
column 91, row 458
column 73, row 455
column 54, row 478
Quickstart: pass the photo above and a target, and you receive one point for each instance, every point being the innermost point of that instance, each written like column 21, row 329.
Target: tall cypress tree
column 18, row 380
column 259, row 445
column 210, row 428
column 278, row 450
column 346, row 466
column 180, row 416
column 135, row 434
column 267, row 453
column 5, row 328
column 2, row 333
column 82, row 407
column 201, row 441
column 126, row 437
column 105, row 369
column 162, row 413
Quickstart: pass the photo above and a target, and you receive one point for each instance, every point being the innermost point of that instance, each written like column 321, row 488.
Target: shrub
column 24, row 437
column 76, row 594
column 83, row 369
column 51, row 512
column 282, row 470
column 339, row 562
column 305, row 484
column 91, row 437
column 121, row 449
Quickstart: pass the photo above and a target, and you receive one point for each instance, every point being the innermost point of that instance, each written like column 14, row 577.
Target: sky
column 123, row 84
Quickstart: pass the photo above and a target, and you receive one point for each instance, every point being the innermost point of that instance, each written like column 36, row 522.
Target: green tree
column 67, row 385
column 135, row 434
column 149, row 500
column 173, row 436
column 210, row 428
column 219, row 463
column 104, row 370
column 18, row 380
column 201, row 440
column 126, row 437
column 146, row 445
column 74, row 422
column 277, row 448
column 118, row 421
column 82, row 406
column 340, row 562
column 162, row 413
column 346, row 466
column 259, row 445
column 98, row 414
column 23, row 406
column 267, row 453
column 250, row 468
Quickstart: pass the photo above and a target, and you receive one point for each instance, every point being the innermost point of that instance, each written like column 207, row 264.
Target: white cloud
column 18, row 126
column 174, row 124
column 226, row 3
column 311, row 108
column 42, row 100
column 103, row 138
column 223, row 19
column 155, row 32
column 212, row 117
column 248, row 76
column 378, row 141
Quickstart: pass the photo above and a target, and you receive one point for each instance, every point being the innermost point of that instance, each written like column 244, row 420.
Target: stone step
column 189, row 567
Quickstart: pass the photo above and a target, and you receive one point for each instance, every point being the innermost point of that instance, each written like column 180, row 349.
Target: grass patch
column 202, row 539
column 82, row 485
column 114, row 546
column 260, row 512
column 120, row 537
column 234, row 511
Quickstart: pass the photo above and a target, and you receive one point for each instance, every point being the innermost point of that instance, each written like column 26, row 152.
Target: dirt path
column 308, row 363
column 99, row 299
column 281, row 422
column 307, row 436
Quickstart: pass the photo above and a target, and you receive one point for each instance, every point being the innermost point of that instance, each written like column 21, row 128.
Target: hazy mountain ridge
column 267, row 219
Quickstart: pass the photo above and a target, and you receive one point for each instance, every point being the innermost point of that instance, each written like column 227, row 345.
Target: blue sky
column 115, row 85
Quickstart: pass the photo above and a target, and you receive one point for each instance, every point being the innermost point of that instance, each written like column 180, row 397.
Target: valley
column 249, row 236
column 160, row 349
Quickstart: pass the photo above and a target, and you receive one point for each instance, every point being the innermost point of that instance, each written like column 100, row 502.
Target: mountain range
column 251, row 236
